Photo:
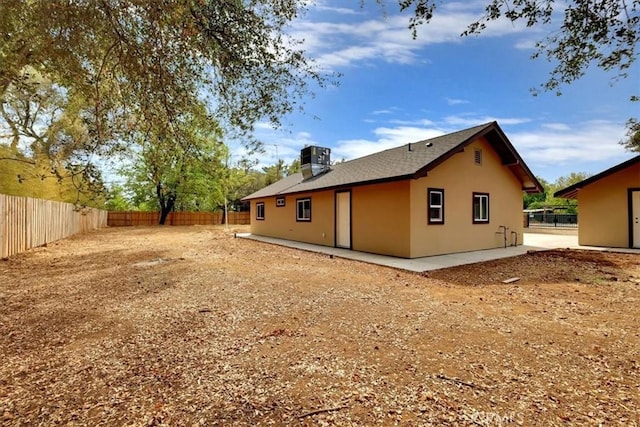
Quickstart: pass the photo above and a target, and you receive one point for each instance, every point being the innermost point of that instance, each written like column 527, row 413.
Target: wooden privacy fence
column 133, row 218
column 27, row 223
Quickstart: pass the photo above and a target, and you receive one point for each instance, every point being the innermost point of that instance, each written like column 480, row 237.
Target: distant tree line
column 207, row 189
column 546, row 199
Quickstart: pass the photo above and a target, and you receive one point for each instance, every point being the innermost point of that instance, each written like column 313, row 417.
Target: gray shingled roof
column 407, row 161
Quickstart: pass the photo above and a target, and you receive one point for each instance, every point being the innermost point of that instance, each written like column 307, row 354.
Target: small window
column 260, row 210
column 303, row 211
column 280, row 202
column 480, row 208
column 477, row 156
column 435, row 212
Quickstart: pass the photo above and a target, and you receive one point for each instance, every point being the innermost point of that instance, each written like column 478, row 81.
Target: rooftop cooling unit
column 314, row 161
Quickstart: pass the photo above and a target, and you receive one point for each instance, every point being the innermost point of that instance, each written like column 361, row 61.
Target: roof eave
column 423, row 171
column 516, row 162
column 571, row 192
column 521, row 171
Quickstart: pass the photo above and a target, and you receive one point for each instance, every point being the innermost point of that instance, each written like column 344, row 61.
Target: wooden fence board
column 27, row 223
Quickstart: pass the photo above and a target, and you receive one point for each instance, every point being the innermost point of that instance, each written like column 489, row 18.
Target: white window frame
column 306, row 213
column 280, row 202
column 260, row 211
column 432, row 206
column 480, row 200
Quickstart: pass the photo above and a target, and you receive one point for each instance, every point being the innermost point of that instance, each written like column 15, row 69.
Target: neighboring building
column 454, row 193
column 609, row 206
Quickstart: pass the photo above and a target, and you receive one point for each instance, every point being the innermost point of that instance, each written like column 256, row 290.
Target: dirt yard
column 189, row 326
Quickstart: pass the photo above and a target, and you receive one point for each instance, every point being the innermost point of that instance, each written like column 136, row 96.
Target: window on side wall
column 260, row 211
column 435, row 210
column 303, row 209
column 480, row 208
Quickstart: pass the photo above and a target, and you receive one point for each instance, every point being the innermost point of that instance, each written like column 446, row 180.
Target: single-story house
column 609, row 206
column 455, row 193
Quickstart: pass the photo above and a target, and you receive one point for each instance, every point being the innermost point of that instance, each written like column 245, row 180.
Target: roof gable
column 572, row 191
column 408, row 161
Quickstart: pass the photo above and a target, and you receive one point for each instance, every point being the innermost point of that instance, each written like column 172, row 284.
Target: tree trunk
column 164, row 213
column 166, row 204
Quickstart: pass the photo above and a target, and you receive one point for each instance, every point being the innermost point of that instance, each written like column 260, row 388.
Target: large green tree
column 44, row 136
column 123, row 53
column 177, row 163
column 136, row 69
column 132, row 66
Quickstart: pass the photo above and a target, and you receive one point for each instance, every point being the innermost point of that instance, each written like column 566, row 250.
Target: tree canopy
column 119, row 69
column 123, row 54
column 45, row 149
column 632, row 140
column 177, row 163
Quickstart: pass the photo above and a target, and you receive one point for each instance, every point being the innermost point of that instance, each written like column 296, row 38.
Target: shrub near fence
column 134, row 218
column 27, row 223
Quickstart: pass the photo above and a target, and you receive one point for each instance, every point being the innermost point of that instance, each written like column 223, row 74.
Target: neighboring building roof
column 572, row 191
column 410, row 161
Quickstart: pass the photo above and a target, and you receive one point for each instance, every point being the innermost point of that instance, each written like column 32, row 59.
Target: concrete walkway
column 532, row 242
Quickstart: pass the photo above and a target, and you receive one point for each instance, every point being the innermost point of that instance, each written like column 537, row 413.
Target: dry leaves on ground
column 189, row 326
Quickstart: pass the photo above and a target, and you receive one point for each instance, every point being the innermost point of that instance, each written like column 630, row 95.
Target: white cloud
column 264, row 125
column 418, row 122
column 583, row 146
column 542, row 145
column 387, row 137
column 556, row 126
column 469, row 120
column 454, row 101
column 385, row 111
column 556, row 144
column 338, row 10
column 342, row 44
column 526, row 44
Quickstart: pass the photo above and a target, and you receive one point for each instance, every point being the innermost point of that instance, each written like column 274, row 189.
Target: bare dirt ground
column 188, row 326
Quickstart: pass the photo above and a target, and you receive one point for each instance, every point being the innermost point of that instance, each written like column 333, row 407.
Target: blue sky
column 394, row 90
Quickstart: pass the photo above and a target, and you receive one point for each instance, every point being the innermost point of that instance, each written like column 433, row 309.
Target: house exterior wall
column 460, row 177
column 603, row 209
column 280, row 222
column 391, row 218
column 380, row 218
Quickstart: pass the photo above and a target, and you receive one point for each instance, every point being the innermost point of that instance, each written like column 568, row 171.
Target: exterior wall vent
column 314, row 161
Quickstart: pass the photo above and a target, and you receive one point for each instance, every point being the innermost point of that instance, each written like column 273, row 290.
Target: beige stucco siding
column 603, row 209
column 460, row 177
column 391, row 218
column 380, row 218
column 281, row 222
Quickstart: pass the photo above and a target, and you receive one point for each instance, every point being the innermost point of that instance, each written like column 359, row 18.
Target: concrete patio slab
column 532, row 242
